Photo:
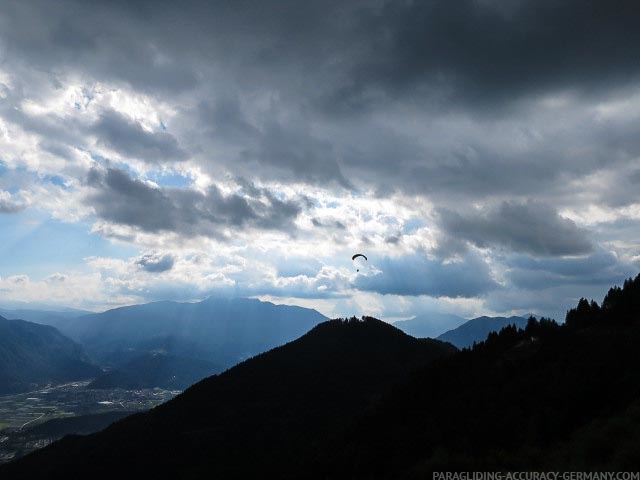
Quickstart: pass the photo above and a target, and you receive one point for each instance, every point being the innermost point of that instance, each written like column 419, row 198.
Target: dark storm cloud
column 339, row 59
column 280, row 147
column 481, row 52
column 156, row 263
column 419, row 275
column 118, row 198
column 226, row 119
column 522, row 227
column 357, row 52
column 295, row 150
column 471, row 50
column 100, row 38
column 131, row 140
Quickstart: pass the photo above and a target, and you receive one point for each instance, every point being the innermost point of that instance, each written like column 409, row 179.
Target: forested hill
column 547, row 397
column 157, row 369
column 255, row 418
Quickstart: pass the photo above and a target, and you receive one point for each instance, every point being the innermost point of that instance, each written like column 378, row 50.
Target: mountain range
column 464, row 333
column 107, row 344
column 478, row 329
column 361, row 399
column 218, row 330
column 55, row 318
column 162, row 344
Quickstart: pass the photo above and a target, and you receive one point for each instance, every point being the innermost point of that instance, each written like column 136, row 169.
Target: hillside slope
column 152, row 370
column 550, row 397
column 33, row 355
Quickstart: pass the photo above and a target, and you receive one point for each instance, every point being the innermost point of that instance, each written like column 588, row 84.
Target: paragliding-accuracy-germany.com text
column 536, row 476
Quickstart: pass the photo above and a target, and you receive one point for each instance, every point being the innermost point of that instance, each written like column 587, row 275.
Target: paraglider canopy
column 359, row 255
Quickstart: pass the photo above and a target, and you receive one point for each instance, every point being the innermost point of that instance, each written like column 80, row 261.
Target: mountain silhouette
column 362, row 400
column 548, row 397
column 255, row 417
column 33, row 355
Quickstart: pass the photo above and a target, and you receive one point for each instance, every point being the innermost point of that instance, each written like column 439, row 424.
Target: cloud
column 331, row 224
column 56, row 278
column 128, row 138
column 602, row 268
column 529, row 227
column 486, row 53
column 155, row 262
column 266, row 91
column 418, row 275
column 11, row 204
column 328, row 127
column 118, row 198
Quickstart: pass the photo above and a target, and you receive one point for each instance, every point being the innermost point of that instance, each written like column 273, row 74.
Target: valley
column 23, row 416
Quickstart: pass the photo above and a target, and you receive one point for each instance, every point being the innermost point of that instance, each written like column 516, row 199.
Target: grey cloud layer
column 341, row 59
column 131, row 140
column 120, row 199
column 315, row 67
column 481, row 52
column 530, row 227
column 599, row 268
column 478, row 50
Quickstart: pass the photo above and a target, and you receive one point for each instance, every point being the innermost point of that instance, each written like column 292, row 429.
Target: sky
column 483, row 154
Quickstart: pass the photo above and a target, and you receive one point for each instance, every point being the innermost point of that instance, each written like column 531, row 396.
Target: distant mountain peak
column 477, row 329
column 221, row 330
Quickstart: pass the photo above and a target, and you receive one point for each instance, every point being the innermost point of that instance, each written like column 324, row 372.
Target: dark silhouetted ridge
column 546, row 397
column 358, row 399
column 277, row 408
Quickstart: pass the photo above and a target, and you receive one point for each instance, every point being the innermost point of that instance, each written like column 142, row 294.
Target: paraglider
column 359, row 255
